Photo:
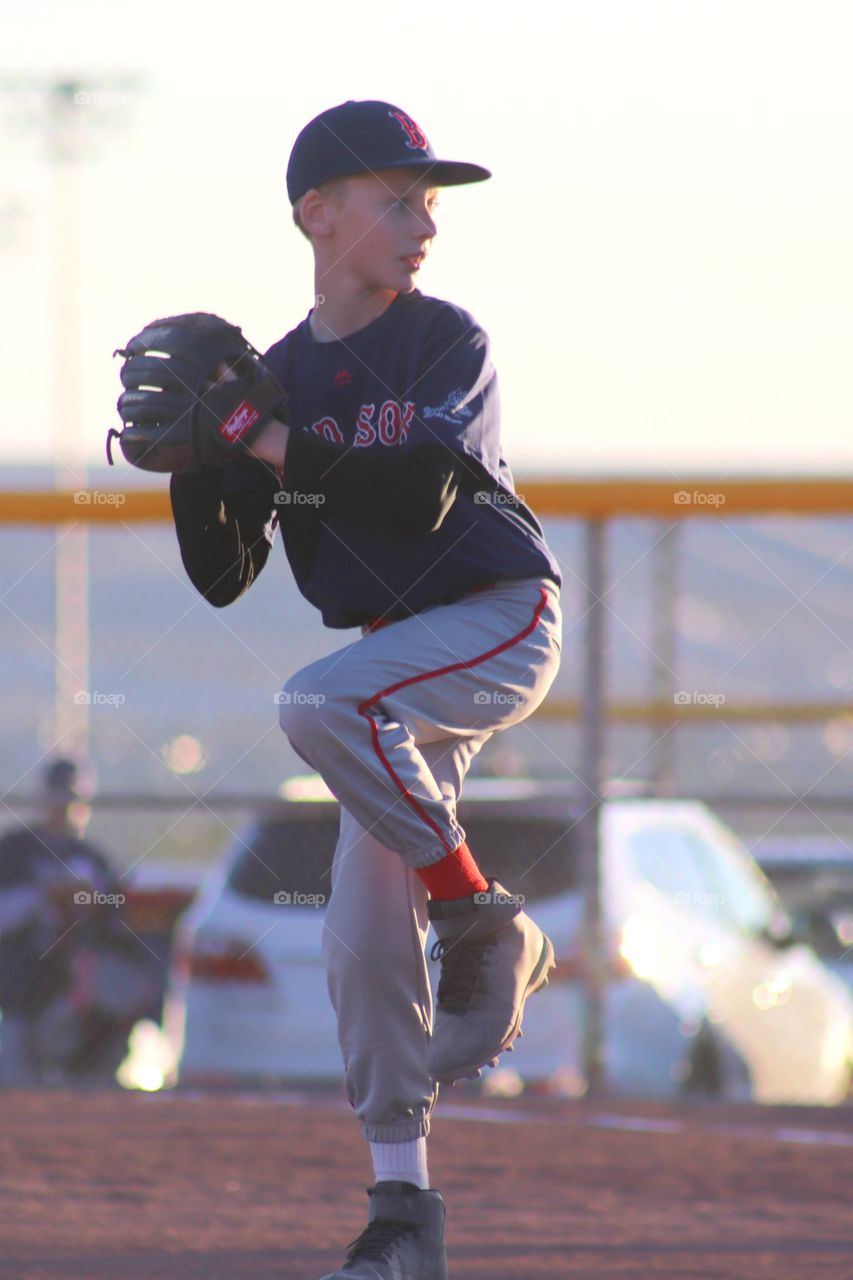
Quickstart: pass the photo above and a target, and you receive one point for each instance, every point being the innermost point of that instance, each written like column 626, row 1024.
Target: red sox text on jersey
column 390, row 425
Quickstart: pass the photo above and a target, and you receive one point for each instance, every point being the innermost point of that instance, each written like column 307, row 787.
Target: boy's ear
column 314, row 210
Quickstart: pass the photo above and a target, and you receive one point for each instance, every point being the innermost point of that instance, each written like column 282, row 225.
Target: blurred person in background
column 72, row 975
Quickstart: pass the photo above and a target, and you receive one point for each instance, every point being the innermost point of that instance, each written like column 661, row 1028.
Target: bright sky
column 663, row 258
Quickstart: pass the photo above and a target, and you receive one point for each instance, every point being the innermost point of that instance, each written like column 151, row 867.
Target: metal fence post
column 591, row 773
column 663, row 757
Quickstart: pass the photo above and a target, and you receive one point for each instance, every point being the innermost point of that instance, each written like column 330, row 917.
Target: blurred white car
column 704, row 988
column 813, row 876
column 696, row 914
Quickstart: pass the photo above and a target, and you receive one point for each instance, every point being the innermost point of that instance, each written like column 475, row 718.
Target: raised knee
column 298, row 711
column 303, row 709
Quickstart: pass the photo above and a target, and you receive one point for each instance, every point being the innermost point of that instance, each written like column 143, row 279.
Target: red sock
column 455, row 876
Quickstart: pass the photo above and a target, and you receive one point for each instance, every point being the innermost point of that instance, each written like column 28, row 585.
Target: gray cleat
column 493, row 957
column 403, row 1239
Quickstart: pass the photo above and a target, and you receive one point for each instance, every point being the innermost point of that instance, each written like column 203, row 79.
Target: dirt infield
column 113, row 1186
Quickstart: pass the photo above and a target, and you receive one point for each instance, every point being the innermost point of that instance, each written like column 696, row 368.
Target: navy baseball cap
column 362, row 137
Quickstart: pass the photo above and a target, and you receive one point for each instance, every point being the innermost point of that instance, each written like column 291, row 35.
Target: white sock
column 401, row 1162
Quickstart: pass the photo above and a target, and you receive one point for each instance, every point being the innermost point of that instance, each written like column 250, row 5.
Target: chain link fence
column 727, row 674
column 747, row 700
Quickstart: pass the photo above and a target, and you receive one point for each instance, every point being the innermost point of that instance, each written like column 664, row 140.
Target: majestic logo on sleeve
column 452, row 410
column 416, row 139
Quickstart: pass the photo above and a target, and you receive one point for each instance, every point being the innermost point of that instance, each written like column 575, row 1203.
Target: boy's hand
column 196, row 393
column 270, row 445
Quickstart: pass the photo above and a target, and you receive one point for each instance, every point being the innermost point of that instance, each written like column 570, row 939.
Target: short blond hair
column 333, row 190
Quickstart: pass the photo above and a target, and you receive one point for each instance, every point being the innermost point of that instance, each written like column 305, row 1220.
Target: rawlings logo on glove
column 243, row 417
column 196, row 393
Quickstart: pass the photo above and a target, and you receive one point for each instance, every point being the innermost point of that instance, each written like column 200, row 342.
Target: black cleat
column 403, row 1239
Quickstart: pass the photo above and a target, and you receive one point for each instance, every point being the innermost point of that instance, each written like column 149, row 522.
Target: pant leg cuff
column 410, row 1131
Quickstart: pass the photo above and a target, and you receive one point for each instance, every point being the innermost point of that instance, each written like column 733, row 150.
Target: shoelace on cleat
column 377, row 1238
column 462, row 966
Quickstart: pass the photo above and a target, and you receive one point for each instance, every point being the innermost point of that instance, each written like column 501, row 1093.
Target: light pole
column 65, row 109
column 591, row 772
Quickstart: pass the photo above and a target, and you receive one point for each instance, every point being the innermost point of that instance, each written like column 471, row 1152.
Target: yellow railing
column 581, row 499
column 584, row 499
column 690, row 713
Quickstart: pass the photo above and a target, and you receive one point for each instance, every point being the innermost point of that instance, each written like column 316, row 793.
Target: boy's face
column 383, row 228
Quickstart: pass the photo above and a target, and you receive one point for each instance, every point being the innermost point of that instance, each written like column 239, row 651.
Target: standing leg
column 373, row 946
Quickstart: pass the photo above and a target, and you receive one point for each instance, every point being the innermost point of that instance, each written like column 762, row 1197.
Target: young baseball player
column 399, row 517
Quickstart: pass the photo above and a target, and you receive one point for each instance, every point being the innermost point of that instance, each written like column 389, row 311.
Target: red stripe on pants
column 364, row 707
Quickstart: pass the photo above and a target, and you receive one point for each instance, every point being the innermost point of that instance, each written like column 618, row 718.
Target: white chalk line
column 601, row 1120
column 647, row 1124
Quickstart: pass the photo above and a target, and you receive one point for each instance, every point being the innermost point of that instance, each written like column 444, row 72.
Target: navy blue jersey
column 421, row 373
column 395, row 493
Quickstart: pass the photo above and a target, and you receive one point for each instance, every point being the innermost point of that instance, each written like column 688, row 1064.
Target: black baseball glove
column 196, row 393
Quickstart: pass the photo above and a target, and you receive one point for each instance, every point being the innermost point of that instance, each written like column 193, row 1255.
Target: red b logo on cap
column 415, row 136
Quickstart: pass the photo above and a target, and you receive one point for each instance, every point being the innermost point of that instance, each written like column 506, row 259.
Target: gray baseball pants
column 392, row 722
